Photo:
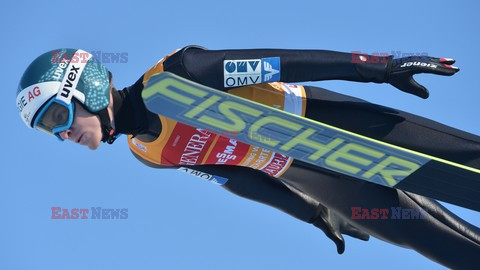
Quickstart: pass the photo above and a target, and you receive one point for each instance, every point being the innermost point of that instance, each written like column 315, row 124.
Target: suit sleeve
column 208, row 66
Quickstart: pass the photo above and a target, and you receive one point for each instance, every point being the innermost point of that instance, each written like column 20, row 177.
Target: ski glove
column 334, row 226
column 400, row 72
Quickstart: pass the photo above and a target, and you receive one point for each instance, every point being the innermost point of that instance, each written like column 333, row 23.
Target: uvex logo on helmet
column 67, row 89
column 59, row 71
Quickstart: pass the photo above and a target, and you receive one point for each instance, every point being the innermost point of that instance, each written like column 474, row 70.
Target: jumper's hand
column 334, row 226
column 400, row 72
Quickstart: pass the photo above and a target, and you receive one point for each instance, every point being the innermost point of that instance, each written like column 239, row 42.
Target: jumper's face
column 85, row 130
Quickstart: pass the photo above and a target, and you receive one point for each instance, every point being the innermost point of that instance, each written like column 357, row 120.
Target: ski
column 317, row 143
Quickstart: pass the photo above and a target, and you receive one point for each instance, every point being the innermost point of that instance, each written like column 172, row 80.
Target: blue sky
column 177, row 221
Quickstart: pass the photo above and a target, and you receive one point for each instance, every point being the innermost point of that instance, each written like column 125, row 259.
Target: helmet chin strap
column 108, row 133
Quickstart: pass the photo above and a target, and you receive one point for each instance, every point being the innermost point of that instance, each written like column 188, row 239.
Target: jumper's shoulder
column 175, row 63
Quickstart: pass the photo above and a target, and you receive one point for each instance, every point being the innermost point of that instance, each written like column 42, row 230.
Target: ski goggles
column 55, row 117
